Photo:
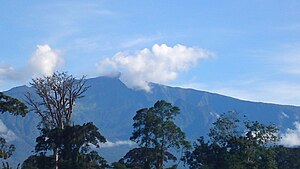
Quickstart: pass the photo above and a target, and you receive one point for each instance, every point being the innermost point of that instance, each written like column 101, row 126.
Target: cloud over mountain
column 160, row 64
column 109, row 144
column 44, row 61
column 5, row 133
column 292, row 136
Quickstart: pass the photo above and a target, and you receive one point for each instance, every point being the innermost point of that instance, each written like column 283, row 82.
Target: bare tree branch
column 57, row 96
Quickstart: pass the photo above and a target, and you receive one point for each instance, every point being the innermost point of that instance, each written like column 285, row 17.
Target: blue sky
column 245, row 49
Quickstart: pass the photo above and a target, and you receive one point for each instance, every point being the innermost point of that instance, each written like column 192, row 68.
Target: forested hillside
column 111, row 106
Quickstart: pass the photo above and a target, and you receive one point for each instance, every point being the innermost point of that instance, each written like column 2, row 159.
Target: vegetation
column 14, row 107
column 74, row 145
column 70, row 144
column 156, row 133
column 232, row 143
column 56, row 98
column 287, row 157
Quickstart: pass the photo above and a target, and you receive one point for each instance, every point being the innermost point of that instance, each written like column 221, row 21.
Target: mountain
column 111, row 106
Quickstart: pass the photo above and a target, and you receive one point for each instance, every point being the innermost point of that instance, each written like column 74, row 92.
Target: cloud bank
column 109, row 144
column 160, row 64
column 292, row 136
column 5, row 133
column 44, row 61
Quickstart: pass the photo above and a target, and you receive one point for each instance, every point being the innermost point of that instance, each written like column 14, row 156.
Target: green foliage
column 144, row 158
column 12, row 105
column 5, row 149
column 235, row 145
column 73, row 144
column 38, row 162
column 7, row 166
column 287, row 157
column 90, row 160
column 156, row 133
column 118, row 165
column 57, row 95
column 69, row 140
column 140, row 158
column 206, row 155
column 225, row 128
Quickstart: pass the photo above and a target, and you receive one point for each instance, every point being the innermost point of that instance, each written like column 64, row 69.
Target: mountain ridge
column 110, row 105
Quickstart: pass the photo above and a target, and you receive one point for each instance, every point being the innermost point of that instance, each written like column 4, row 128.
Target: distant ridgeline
column 111, row 106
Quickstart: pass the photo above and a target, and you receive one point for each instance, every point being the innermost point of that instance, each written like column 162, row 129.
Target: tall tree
column 14, row 107
column 236, row 145
column 73, row 143
column 156, row 133
column 57, row 95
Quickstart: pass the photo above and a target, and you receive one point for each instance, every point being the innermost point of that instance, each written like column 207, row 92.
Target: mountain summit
column 110, row 105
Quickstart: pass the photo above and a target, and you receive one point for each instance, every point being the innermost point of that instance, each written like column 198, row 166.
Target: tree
column 119, row 165
column 287, row 157
column 7, row 166
column 237, row 145
column 155, row 132
column 206, row 155
column 56, row 98
column 38, row 161
column 225, row 128
column 5, row 149
column 73, row 143
column 14, row 107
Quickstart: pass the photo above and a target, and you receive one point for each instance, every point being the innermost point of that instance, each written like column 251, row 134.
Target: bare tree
column 56, row 99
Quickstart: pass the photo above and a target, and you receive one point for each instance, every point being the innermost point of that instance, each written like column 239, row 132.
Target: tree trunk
column 161, row 160
column 162, row 152
column 56, row 157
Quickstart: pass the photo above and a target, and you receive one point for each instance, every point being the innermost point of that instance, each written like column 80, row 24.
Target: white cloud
column 109, row 144
column 292, row 136
column 5, row 133
column 45, row 61
column 6, row 70
column 10, row 73
column 160, row 64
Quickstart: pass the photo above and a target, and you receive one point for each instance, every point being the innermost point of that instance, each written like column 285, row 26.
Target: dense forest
column 232, row 142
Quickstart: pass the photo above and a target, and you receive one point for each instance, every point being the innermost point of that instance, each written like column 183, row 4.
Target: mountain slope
column 111, row 105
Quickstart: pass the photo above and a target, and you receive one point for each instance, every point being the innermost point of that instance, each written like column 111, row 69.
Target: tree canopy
column 74, row 147
column 56, row 99
column 14, row 107
column 156, row 133
column 235, row 144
